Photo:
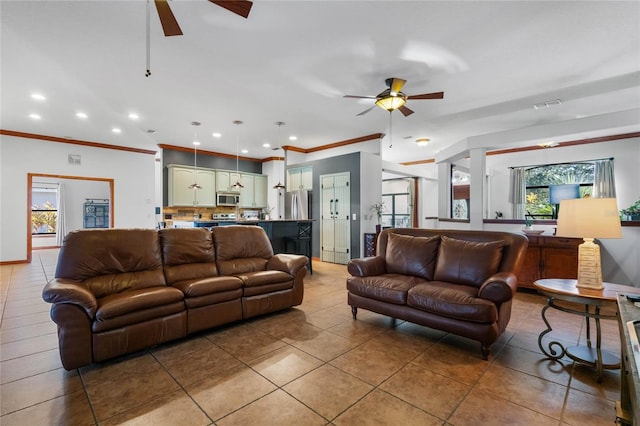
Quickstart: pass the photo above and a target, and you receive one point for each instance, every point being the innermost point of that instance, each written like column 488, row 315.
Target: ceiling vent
column 547, row 104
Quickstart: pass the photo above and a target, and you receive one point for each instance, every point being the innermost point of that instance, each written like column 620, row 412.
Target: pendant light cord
column 148, row 73
column 390, row 130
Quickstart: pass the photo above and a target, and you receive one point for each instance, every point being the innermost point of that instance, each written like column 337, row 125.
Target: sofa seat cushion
column 390, row 288
column 260, row 282
column 205, row 286
column 452, row 301
column 130, row 307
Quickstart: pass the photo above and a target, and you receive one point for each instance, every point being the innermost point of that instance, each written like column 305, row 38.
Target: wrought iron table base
column 585, row 354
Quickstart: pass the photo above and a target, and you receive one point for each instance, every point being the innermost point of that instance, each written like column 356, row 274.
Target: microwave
column 223, row 199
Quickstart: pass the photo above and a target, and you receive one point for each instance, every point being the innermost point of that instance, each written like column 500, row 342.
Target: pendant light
column 195, row 185
column 279, row 185
column 237, row 185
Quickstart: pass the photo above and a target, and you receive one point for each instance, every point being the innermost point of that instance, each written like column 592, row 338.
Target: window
column 44, row 211
column 539, row 179
column 398, row 213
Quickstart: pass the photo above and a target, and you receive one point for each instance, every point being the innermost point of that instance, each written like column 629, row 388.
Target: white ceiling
column 293, row 61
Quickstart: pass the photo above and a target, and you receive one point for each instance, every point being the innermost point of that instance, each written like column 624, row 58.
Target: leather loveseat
column 457, row 281
column 117, row 291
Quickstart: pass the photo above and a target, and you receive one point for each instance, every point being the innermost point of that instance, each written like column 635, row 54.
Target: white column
column 476, row 208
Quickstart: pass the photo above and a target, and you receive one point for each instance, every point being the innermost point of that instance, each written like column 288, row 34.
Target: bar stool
column 302, row 238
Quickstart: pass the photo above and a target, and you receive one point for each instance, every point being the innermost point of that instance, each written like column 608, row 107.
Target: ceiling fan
column 170, row 24
column 392, row 98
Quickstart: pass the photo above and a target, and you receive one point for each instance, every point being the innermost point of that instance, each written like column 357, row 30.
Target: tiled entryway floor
column 309, row 365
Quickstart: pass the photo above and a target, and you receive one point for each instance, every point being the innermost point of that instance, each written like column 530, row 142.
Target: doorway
column 335, row 226
column 75, row 191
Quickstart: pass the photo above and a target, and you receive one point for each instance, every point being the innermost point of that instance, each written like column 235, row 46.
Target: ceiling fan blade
column 239, row 7
column 365, row 111
column 359, row 97
column 435, row 95
column 396, row 84
column 169, row 24
column 405, row 111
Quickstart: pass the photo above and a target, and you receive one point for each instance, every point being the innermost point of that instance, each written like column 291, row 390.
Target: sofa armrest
column 499, row 287
column 289, row 263
column 60, row 290
column 367, row 266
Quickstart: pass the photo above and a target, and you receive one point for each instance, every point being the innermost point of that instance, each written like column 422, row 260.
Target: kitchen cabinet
column 254, row 193
column 549, row 257
column 179, row 181
column 300, row 178
column 225, row 180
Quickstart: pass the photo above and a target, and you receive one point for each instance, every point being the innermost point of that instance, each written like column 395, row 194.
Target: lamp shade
column 558, row 193
column 589, row 218
column 391, row 103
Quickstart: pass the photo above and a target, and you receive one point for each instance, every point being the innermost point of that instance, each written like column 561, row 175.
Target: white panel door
column 335, row 221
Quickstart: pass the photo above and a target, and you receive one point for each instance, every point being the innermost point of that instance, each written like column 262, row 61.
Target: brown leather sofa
column 118, row 291
column 458, row 281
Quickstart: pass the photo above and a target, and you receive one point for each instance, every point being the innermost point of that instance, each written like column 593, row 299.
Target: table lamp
column 589, row 218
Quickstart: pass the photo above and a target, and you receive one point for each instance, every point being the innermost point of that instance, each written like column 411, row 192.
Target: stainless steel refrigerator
column 299, row 204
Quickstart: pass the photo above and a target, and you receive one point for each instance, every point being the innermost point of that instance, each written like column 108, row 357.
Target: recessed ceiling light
column 35, row 116
column 244, row 151
column 133, row 116
column 151, row 131
column 38, row 97
column 293, row 138
column 81, row 114
column 116, row 130
column 266, row 145
column 216, row 135
column 196, row 143
column 422, row 141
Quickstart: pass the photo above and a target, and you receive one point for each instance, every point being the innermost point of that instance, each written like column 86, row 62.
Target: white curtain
column 517, row 191
column 61, row 230
column 604, row 181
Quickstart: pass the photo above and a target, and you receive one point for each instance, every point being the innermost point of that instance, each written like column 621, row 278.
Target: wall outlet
column 353, row 216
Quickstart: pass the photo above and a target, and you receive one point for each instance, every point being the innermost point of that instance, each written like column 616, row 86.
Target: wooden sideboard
column 549, row 256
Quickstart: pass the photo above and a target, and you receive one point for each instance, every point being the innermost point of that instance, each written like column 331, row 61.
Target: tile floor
column 310, row 365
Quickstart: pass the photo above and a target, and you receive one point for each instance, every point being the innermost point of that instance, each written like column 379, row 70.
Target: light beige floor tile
column 481, row 408
column 36, row 389
column 584, row 409
column 458, row 364
column 369, row 362
column 284, row 365
column 523, row 389
column 175, row 408
column 228, row 391
column 28, row 346
column 24, row 320
column 70, row 409
column 21, row 333
column 328, row 390
column 29, row 365
column 535, row 364
column 436, row 394
column 192, row 360
column 380, row 408
column 116, row 388
column 276, row 408
column 245, row 341
column 324, row 345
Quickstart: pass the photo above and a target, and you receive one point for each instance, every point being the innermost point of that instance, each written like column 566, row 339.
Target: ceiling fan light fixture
column 391, row 103
column 422, row 141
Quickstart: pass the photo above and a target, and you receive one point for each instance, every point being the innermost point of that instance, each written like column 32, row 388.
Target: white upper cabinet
column 180, row 179
column 300, row 178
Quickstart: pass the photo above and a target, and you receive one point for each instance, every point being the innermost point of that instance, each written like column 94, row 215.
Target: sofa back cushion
column 109, row 261
column 410, row 255
column 467, row 262
column 241, row 249
column 187, row 253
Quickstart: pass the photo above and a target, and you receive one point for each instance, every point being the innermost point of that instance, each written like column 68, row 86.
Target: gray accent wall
column 339, row 164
